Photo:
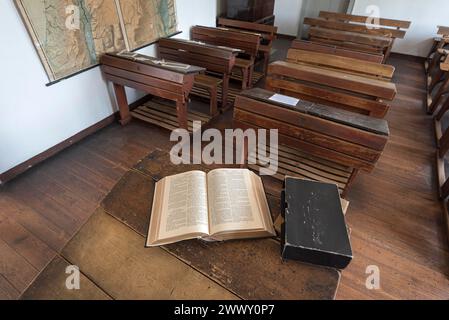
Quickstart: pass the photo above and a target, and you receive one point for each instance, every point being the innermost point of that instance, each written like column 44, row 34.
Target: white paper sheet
column 284, row 99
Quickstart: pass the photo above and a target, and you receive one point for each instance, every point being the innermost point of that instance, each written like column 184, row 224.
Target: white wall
column 425, row 15
column 33, row 117
column 288, row 16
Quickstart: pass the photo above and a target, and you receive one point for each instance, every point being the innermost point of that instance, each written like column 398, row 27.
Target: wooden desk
column 335, row 50
column 146, row 74
column 216, row 59
column 317, row 142
column 109, row 250
column 333, row 86
column 268, row 35
column 248, row 42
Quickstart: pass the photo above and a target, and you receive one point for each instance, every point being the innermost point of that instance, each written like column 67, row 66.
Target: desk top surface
column 205, row 45
column 359, row 121
column 158, row 63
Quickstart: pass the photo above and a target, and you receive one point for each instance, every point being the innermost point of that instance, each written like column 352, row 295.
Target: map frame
column 53, row 79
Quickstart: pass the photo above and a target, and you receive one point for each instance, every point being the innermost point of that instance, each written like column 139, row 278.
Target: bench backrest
column 351, row 40
column 335, row 50
column 214, row 59
column 350, row 140
column 352, row 27
column 248, row 42
column 368, row 21
column 268, row 32
column 322, row 85
column 344, row 64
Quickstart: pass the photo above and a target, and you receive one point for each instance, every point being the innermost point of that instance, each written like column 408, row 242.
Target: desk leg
column 224, row 91
column 250, row 76
column 181, row 108
column 122, row 101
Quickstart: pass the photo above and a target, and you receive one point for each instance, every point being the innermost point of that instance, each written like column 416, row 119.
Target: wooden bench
column 334, row 87
column 218, row 60
column 438, row 81
column 267, row 32
column 433, row 58
column 337, row 51
column 168, row 80
column 395, row 29
column 247, row 42
column 318, row 142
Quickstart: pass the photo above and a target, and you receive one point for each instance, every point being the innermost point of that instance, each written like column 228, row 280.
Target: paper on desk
column 284, row 99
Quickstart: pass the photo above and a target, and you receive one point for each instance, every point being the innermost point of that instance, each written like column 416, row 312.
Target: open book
column 222, row 205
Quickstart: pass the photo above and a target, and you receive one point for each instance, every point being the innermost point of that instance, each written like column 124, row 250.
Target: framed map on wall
column 71, row 35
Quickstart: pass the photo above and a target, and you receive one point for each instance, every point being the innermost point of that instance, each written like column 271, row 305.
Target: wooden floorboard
column 395, row 216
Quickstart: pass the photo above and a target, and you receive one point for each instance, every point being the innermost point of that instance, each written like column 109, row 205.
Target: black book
column 314, row 230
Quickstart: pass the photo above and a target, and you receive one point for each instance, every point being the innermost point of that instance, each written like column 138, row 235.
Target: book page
column 184, row 209
column 232, row 203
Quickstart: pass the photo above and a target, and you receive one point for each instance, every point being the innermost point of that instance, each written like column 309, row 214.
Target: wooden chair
column 362, row 89
column 317, row 142
column 217, row 60
column 247, row 42
column 168, row 80
column 337, row 51
column 267, row 32
column 395, row 29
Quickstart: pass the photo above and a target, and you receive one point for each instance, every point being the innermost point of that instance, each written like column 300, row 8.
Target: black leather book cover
column 314, row 230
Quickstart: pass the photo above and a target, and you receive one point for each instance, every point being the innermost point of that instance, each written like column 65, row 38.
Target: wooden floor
column 394, row 214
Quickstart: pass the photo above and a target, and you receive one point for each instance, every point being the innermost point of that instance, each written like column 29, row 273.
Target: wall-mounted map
column 71, row 35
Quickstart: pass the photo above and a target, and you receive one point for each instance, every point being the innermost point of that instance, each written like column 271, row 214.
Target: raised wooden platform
column 109, row 250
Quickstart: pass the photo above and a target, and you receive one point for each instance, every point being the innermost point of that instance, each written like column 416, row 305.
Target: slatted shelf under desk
column 295, row 163
column 163, row 114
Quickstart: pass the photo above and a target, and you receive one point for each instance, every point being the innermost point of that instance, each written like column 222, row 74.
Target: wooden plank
column 14, row 268
column 443, row 31
column 303, row 108
column 114, row 257
column 251, row 26
column 32, row 249
column 7, row 290
column 33, row 221
column 351, row 27
column 335, row 50
column 326, row 96
column 335, row 79
column 311, row 136
column 352, row 37
column 51, row 285
column 341, row 63
column 403, row 24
